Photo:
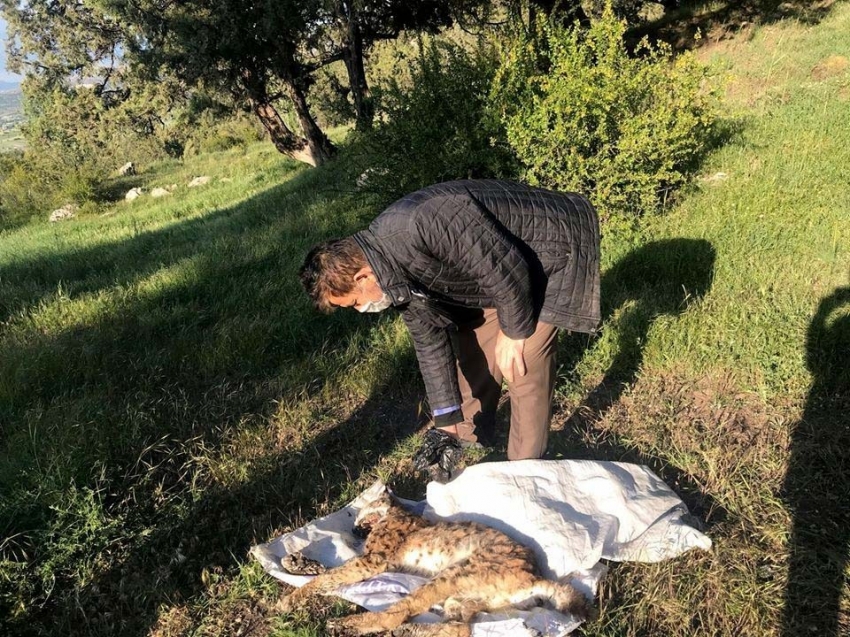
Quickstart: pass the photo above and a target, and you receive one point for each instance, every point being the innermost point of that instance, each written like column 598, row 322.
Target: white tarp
column 573, row 513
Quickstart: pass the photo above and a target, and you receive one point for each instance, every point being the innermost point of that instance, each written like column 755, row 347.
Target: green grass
column 147, row 356
column 11, row 140
column 168, row 397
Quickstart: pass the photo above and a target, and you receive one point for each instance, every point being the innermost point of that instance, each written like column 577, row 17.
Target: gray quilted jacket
column 445, row 252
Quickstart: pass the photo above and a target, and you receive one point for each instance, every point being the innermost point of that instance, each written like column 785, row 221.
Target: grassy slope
column 167, row 398
column 160, row 371
column 717, row 402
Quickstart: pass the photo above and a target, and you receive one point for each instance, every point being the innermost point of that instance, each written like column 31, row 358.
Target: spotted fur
column 474, row 568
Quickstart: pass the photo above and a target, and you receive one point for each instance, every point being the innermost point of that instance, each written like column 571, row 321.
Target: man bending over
column 484, row 272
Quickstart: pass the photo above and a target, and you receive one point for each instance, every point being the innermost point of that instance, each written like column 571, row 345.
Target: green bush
column 77, row 140
column 19, row 194
column 31, row 189
column 73, row 147
column 330, row 97
column 432, row 125
column 583, row 114
column 213, row 132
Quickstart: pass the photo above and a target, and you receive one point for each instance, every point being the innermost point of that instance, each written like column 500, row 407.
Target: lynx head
column 372, row 513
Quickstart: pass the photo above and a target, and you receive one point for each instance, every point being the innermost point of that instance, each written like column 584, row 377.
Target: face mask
column 376, row 306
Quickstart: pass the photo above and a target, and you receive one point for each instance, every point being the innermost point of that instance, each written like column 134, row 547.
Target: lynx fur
column 474, row 569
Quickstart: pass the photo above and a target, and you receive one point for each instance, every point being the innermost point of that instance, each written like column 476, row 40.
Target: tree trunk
column 352, row 55
column 283, row 139
column 319, row 146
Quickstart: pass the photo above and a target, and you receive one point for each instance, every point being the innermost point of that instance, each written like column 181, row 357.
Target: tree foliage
column 255, row 53
column 57, row 40
column 347, row 29
column 583, row 114
column 250, row 51
column 434, row 125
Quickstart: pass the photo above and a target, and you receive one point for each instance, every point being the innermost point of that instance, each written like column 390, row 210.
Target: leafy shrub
column 433, row 125
column 32, row 188
column 69, row 153
column 74, row 145
column 18, row 192
column 330, row 97
column 629, row 10
column 584, row 115
column 213, row 132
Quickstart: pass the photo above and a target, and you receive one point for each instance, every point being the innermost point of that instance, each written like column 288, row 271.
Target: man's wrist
column 447, row 416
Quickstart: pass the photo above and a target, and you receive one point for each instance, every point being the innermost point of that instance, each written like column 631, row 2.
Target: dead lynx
column 474, row 569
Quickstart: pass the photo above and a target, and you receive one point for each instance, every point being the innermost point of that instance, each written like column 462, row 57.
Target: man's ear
column 363, row 273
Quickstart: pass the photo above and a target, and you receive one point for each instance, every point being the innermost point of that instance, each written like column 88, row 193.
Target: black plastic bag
column 439, row 455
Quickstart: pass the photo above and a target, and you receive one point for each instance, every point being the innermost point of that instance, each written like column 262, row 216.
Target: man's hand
column 509, row 356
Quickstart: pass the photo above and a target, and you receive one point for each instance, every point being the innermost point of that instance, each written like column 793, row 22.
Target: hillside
column 169, row 398
column 11, row 117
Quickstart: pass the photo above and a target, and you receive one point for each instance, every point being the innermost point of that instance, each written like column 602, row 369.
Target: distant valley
column 11, row 116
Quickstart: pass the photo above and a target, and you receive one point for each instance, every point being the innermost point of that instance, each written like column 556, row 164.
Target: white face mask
column 376, row 306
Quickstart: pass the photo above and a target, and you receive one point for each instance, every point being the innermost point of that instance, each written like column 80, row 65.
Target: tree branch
column 315, row 66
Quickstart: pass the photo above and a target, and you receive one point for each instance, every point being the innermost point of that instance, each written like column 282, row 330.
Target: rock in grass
column 133, row 193
column 716, row 177
column 127, row 169
column 199, row 181
column 160, row 192
column 651, row 11
column 367, row 175
column 68, row 211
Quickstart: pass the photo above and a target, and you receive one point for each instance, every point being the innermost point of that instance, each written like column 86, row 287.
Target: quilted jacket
column 445, row 252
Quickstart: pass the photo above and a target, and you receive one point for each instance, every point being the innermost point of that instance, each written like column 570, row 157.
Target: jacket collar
column 389, row 274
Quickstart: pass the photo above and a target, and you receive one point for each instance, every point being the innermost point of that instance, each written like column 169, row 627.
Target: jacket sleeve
column 437, row 364
column 460, row 232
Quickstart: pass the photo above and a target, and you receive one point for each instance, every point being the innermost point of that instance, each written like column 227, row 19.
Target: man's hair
column 329, row 269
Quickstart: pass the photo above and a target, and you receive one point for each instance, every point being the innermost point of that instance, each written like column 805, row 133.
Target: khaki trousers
column 480, row 383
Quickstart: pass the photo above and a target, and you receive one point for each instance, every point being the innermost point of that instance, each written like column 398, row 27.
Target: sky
column 5, row 76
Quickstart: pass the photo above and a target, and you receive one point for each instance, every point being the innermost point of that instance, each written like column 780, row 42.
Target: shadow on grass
column 817, row 484
column 112, row 427
column 700, row 22
column 285, row 490
column 661, row 278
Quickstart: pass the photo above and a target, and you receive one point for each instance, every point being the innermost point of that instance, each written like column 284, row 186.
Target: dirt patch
column 241, row 617
column 175, row 622
column 709, row 417
column 705, row 437
column 831, row 66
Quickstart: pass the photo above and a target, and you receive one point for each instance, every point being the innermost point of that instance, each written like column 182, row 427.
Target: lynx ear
column 392, row 496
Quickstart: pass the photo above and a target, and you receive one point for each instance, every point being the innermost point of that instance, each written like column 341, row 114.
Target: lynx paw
column 347, row 626
column 292, row 602
column 286, row 604
column 364, row 624
column 297, row 564
column 455, row 609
